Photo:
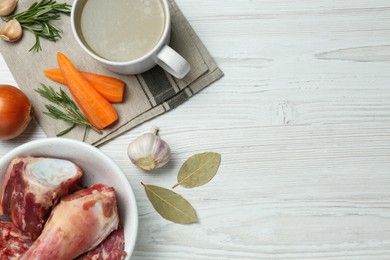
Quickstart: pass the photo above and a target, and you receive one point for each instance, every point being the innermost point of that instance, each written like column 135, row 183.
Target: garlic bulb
column 7, row 7
column 149, row 151
column 11, row 31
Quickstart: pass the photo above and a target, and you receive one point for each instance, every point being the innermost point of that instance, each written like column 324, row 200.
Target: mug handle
column 172, row 62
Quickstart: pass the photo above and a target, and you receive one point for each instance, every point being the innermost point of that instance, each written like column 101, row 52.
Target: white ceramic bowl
column 97, row 168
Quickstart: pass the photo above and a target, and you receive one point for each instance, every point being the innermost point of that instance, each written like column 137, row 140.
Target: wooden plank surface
column 302, row 121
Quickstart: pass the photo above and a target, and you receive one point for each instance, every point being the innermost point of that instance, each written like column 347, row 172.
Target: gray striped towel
column 146, row 96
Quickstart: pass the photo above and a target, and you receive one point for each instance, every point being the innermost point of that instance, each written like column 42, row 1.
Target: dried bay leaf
column 198, row 170
column 171, row 205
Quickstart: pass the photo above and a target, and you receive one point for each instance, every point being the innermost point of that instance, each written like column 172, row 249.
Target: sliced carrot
column 55, row 74
column 96, row 108
column 110, row 88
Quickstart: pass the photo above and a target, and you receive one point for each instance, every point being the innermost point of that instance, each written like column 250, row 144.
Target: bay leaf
column 198, row 170
column 171, row 205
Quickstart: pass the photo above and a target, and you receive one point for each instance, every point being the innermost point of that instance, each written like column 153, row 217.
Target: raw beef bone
column 13, row 242
column 77, row 224
column 112, row 248
column 32, row 186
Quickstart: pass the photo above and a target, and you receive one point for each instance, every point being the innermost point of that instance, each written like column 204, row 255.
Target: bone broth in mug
column 121, row 30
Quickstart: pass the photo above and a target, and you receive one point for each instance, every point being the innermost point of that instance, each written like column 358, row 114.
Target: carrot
column 97, row 109
column 110, row 88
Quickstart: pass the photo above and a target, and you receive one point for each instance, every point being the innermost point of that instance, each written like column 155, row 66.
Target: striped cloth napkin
column 146, row 96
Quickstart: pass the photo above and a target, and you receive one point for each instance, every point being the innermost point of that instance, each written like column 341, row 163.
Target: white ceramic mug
column 161, row 54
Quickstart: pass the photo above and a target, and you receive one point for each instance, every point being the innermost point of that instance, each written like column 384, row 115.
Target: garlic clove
column 11, row 31
column 7, row 7
column 149, row 151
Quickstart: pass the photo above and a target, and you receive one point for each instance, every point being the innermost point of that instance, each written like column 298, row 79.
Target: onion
column 15, row 112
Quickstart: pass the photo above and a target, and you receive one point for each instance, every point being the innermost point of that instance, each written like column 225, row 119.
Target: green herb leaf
column 198, row 170
column 71, row 112
column 38, row 20
column 171, row 205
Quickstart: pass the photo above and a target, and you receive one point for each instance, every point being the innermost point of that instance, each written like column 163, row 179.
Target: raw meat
column 13, row 242
column 112, row 248
column 80, row 222
column 31, row 186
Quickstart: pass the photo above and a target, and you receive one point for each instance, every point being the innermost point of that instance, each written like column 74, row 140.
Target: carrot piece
column 96, row 108
column 110, row 88
column 55, row 74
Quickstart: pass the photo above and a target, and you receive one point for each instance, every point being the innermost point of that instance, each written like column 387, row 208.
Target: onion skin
column 15, row 112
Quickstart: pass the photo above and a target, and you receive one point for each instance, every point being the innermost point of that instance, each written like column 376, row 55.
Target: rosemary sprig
column 72, row 113
column 37, row 19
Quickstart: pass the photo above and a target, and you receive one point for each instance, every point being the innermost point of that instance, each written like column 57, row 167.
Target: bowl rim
column 6, row 158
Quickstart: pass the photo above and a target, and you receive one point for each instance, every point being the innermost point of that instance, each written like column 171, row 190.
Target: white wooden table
column 302, row 120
